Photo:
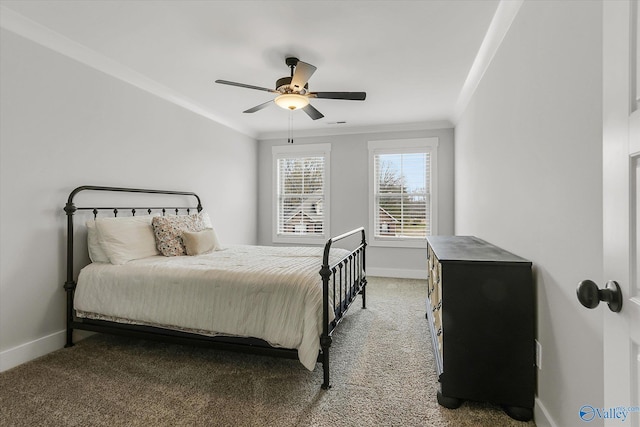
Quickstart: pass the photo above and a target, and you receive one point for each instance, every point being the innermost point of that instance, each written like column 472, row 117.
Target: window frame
column 297, row 151
column 404, row 146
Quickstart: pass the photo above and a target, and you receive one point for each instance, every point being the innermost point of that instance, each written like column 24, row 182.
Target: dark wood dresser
column 480, row 307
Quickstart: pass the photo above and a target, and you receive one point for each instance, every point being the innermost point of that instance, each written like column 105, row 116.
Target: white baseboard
column 37, row 348
column 31, row 350
column 397, row 272
column 541, row 415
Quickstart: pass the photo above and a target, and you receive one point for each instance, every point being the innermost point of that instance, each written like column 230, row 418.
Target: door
column 621, row 180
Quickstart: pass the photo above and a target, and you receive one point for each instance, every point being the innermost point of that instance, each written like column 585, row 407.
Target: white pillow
column 96, row 253
column 127, row 238
column 207, row 220
column 200, row 242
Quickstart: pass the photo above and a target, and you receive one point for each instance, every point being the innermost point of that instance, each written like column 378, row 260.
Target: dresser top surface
column 470, row 248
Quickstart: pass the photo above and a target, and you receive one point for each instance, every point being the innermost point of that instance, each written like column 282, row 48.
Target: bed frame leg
column 69, row 287
column 325, row 343
column 69, row 338
column 364, row 293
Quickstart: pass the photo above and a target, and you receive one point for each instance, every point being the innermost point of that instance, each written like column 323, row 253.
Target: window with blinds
column 402, row 195
column 402, row 199
column 301, row 194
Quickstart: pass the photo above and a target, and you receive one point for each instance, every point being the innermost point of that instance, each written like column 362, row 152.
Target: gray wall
column 349, row 193
column 529, row 179
column 64, row 125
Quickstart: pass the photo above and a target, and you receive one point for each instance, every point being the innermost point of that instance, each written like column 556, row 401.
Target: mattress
column 271, row 293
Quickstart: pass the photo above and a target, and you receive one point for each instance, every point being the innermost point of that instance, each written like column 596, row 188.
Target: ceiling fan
column 293, row 91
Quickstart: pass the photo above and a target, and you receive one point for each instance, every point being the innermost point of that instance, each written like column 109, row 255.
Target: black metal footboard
column 341, row 283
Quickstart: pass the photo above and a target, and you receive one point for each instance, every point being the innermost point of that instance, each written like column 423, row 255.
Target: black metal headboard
column 70, row 208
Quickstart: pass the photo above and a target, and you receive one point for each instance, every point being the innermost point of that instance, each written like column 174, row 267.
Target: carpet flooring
column 382, row 373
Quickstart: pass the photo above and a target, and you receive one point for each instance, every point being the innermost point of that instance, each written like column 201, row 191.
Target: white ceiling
column 411, row 57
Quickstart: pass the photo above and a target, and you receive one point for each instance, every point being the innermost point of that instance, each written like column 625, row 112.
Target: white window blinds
column 301, row 195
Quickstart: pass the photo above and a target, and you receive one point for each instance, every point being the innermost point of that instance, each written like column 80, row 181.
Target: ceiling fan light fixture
column 292, row 101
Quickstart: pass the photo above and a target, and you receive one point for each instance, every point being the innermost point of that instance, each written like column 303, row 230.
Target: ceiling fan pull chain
column 290, row 139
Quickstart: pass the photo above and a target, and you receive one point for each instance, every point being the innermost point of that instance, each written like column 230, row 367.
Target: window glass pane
column 389, row 173
column 402, row 195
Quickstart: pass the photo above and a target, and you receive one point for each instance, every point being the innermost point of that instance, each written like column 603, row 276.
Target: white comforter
column 272, row 293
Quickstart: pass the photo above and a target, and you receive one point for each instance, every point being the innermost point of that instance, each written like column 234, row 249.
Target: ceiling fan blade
column 226, row 82
column 312, row 112
column 351, row 96
column 301, row 75
column 258, row 107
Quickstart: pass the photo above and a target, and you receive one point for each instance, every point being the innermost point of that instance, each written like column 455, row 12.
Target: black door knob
column 590, row 296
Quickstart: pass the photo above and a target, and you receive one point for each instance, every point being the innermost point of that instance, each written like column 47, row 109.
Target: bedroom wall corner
column 65, row 124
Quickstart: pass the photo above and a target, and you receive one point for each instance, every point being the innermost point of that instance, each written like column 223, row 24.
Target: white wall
column 64, row 124
column 349, row 193
column 529, row 178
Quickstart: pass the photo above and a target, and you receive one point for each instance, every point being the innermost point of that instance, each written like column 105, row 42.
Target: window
column 301, row 193
column 402, row 191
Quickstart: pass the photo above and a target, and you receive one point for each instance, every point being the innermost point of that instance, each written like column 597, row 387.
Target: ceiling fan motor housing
column 283, row 85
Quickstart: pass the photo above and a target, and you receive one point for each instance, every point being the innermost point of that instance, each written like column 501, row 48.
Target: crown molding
column 37, row 33
column 500, row 24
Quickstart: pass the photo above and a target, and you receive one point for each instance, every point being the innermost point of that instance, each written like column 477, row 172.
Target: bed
column 179, row 284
